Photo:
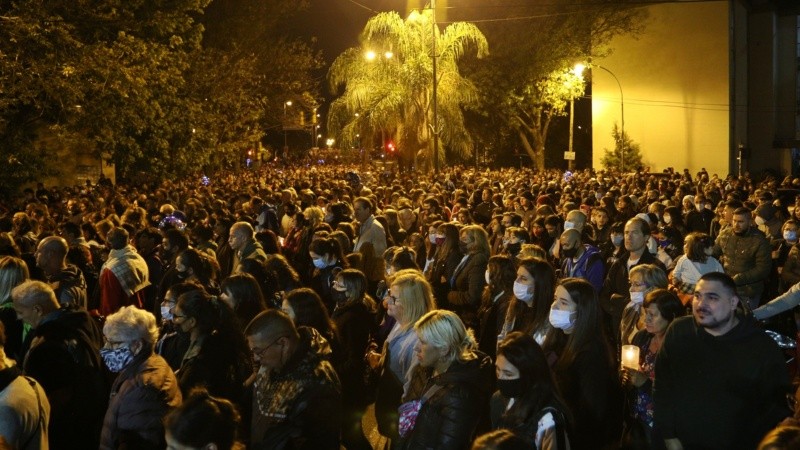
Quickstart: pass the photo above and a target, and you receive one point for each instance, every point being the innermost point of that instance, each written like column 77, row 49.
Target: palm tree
column 388, row 84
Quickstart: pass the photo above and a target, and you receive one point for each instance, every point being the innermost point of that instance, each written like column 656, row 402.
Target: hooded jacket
column 719, row 391
column 69, row 286
column 295, row 407
column 447, row 420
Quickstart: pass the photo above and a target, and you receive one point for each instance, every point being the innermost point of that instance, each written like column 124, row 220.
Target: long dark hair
column 586, row 331
column 247, row 297
column 327, row 247
column 202, row 419
column 309, row 311
column 544, row 285
column 501, row 278
column 450, row 243
column 540, row 389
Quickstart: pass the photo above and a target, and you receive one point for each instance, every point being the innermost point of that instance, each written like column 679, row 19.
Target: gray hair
column 35, row 293
column 132, row 324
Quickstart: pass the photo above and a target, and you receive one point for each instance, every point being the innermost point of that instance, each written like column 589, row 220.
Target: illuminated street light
column 622, row 116
column 370, row 55
column 578, row 72
column 285, row 140
column 388, row 55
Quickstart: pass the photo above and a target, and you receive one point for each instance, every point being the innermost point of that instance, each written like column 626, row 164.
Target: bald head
column 578, row 218
column 271, row 324
column 51, row 254
column 570, row 238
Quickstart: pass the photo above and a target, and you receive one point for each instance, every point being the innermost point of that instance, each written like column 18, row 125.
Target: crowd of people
column 484, row 309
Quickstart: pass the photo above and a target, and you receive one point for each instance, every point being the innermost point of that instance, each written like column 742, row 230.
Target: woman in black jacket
column 451, row 381
column 354, row 317
column 444, row 264
column 218, row 357
column 583, row 366
column 500, row 275
column 326, row 255
column 537, row 413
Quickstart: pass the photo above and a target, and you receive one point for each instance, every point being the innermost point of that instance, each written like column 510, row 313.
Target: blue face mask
column 319, row 263
column 790, row 235
column 616, row 240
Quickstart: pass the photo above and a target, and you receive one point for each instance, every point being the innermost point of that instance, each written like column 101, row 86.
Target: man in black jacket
column 721, row 382
column 66, row 279
column 296, row 395
column 616, row 288
column 63, row 354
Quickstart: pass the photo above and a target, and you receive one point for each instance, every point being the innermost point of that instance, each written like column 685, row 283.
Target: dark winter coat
column 447, row 420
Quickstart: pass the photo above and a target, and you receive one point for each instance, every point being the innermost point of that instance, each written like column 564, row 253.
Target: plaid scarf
column 129, row 268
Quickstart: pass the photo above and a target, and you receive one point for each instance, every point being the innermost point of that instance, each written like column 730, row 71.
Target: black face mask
column 181, row 275
column 510, row 388
column 339, row 296
column 569, row 252
column 462, row 247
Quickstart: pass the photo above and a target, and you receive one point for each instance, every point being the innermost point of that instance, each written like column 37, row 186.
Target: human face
column 600, row 218
column 180, row 265
column 226, row 297
column 741, row 223
column 465, row 241
column 287, row 308
column 635, row 240
column 714, row 307
column 427, row 354
column 654, row 322
column 361, row 212
column 394, row 306
column 563, row 301
column 31, row 315
column 235, row 240
column 41, row 256
column 524, row 277
column 504, row 369
column 182, row 321
column 637, row 283
column 506, row 221
column 267, row 352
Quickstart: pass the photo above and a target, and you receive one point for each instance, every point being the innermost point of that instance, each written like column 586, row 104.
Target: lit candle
column 630, row 356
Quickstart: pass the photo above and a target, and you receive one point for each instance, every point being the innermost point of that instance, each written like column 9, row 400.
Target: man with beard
column 721, row 382
column 745, row 256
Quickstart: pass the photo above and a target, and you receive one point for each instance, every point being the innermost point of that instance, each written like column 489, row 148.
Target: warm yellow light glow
column 578, row 69
column 289, row 103
column 388, row 55
column 370, row 55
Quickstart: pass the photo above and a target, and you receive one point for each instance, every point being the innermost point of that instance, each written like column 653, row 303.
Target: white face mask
column 652, row 245
column 760, row 221
column 569, row 225
column 668, row 219
column 562, row 320
column 637, row 297
column 432, row 238
column 486, row 277
column 521, row 291
column 699, row 206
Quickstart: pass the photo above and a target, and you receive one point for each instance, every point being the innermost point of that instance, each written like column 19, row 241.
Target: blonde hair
column 479, row 238
column 13, row 271
column 130, row 323
column 444, row 329
column 415, row 294
column 314, row 215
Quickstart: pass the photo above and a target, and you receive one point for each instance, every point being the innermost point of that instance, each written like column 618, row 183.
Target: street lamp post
column 434, row 98
column 578, row 71
column 622, row 116
column 285, row 139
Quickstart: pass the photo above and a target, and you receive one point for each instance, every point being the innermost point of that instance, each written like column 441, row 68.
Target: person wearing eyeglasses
column 296, row 393
column 409, row 298
column 145, row 388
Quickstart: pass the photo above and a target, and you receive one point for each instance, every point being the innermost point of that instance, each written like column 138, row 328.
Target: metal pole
column 622, row 116
column 571, row 162
column 435, row 104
